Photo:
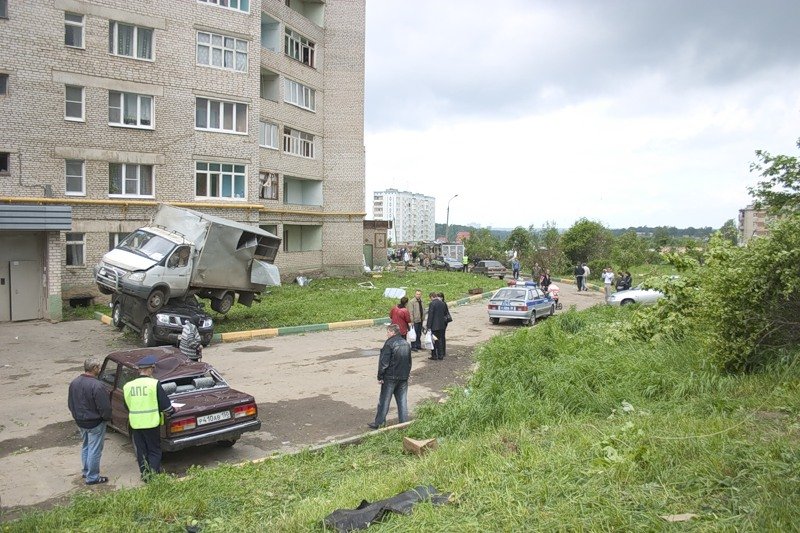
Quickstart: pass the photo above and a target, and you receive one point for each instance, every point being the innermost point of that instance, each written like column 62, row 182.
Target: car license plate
column 214, row 417
column 506, row 308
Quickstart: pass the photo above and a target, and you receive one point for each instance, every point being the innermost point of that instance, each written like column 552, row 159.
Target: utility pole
column 447, row 224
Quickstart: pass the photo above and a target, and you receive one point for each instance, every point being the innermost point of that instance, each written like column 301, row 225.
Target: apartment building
column 752, row 223
column 252, row 110
column 413, row 215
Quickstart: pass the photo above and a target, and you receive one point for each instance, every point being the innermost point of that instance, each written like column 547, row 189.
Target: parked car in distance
column 446, row 263
column 636, row 295
column 165, row 325
column 520, row 302
column 209, row 411
column 491, row 269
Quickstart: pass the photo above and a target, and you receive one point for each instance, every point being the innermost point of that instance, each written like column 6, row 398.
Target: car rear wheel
column 226, row 443
column 116, row 316
column 626, row 301
column 531, row 321
column 552, row 310
column 494, row 320
column 148, row 339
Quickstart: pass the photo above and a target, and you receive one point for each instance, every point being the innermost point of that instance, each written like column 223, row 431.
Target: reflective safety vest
column 141, row 397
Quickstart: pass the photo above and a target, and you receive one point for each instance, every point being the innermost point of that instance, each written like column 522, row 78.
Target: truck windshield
column 147, row 244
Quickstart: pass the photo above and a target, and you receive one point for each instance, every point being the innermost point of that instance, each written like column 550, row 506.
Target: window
column 130, row 41
column 272, row 228
column 74, row 103
column 220, row 180
column 298, row 143
column 269, row 186
column 270, row 87
column 73, row 30
column 268, row 135
column 297, row 238
column 127, row 179
column 301, row 191
column 115, row 238
column 128, row 109
column 219, row 51
column 229, row 117
column 75, row 177
column 75, row 249
column 109, row 372
column 3, row 9
column 5, row 163
column 299, row 95
column 299, row 48
column 3, row 84
column 238, row 5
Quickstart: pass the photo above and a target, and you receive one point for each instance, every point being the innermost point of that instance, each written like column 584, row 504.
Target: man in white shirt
column 608, row 279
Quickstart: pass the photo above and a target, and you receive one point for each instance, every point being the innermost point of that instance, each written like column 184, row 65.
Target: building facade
column 412, row 215
column 252, row 110
column 752, row 223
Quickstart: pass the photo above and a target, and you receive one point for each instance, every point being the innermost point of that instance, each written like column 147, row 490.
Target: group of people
column 394, row 362
column 610, row 280
column 90, row 405
column 581, row 273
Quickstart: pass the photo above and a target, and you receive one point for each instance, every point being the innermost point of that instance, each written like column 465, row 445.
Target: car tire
column 156, row 300
column 552, row 309
column 116, row 316
column 532, row 320
column 205, row 340
column 494, row 320
column 224, row 304
column 148, row 339
column 626, row 301
column 227, row 443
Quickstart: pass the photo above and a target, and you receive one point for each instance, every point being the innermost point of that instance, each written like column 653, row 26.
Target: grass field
column 560, row 428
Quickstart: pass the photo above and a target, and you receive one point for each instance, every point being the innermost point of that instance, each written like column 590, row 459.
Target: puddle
column 253, row 349
column 353, row 354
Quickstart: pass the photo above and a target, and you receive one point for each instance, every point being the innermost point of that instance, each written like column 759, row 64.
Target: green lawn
column 561, row 428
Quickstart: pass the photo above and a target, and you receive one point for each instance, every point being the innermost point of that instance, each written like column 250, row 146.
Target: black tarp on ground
column 367, row 513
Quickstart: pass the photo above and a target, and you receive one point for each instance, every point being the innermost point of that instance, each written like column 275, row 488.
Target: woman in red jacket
column 399, row 315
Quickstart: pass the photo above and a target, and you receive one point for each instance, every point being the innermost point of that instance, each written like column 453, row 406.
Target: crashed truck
column 184, row 253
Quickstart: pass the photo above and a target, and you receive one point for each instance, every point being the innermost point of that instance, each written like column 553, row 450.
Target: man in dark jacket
column 579, row 276
column 436, row 324
column 394, row 367
column 90, row 404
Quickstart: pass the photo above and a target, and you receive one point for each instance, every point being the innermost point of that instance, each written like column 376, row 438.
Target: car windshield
column 147, row 244
column 509, row 294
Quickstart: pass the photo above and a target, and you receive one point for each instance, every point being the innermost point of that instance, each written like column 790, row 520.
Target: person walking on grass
column 394, row 368
column 90, row 405
column 146, row 400
column 400, row 316
column 417, row 318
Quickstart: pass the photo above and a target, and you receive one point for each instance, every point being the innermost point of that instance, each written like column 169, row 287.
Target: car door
column 541, row 302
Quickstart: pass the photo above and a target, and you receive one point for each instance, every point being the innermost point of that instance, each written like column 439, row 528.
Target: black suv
column 165, row 325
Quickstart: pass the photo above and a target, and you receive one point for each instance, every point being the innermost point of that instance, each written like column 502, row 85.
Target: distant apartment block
column 752, row 223
column 252, row 110
column 412, row 215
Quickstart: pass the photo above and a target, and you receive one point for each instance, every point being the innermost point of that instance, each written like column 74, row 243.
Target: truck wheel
column 224, row 304
column 147, row 333
column 116, row 317
column 156, row 300
column 205, row 340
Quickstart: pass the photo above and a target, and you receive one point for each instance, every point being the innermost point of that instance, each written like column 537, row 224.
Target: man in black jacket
column 90, row 404
column 394, row 367
column 436, row 324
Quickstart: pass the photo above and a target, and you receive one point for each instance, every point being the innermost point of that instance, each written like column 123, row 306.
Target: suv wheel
column 148, row 339
column 116, row 316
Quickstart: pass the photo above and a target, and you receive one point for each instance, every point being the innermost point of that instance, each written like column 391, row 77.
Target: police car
column 524, row 301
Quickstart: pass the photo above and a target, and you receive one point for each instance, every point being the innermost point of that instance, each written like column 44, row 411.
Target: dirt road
column 311, row 388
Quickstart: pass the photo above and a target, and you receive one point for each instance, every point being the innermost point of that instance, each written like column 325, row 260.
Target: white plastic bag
column 412, row 335
column 428, row 342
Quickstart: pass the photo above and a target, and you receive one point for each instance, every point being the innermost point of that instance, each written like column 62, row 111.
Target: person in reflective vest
column 146, row 401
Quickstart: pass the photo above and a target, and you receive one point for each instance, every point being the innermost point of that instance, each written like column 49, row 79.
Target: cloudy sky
column 628, row 112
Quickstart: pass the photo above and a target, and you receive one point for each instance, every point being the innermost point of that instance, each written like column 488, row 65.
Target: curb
column 236, row 336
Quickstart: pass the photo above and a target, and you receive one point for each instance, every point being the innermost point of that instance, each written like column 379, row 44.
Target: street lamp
column 447, row 224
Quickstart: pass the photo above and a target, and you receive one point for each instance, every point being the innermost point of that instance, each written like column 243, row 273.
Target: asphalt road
column 311, row 389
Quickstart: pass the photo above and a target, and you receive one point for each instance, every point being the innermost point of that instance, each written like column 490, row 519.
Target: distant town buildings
column 752, row 223
column 412, row 215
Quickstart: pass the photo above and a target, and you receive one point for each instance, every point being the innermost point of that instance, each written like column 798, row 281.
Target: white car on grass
column 636, row 295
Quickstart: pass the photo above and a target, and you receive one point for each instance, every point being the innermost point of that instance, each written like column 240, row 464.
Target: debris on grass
column 418, row 447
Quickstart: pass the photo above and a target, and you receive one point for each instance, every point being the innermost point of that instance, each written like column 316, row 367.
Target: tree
column 482, row 245
column 587, row 240
column 628, row 250
column 520, row 240
column 780, row 190
column 729, row 231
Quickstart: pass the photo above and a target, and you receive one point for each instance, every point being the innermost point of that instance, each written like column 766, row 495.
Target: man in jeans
column 90, row 404
column 417, row 318
column 394, row 367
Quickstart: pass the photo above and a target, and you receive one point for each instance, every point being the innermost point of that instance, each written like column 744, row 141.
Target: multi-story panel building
column 752, row 223
column 412, row 215
column 252, row 110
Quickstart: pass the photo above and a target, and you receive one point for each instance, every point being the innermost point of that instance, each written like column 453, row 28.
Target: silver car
column 521, row 302
column 636, row 295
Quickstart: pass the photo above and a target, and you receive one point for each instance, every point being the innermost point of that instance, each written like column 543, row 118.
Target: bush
column 752, row 297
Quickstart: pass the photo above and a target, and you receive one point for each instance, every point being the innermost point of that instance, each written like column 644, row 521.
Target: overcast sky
column 629, row 112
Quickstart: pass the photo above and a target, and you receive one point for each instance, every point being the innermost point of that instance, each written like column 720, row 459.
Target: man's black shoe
column 432, row 358
column 373, row 425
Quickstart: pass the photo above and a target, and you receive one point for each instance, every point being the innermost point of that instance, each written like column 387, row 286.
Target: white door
column 27, row 291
